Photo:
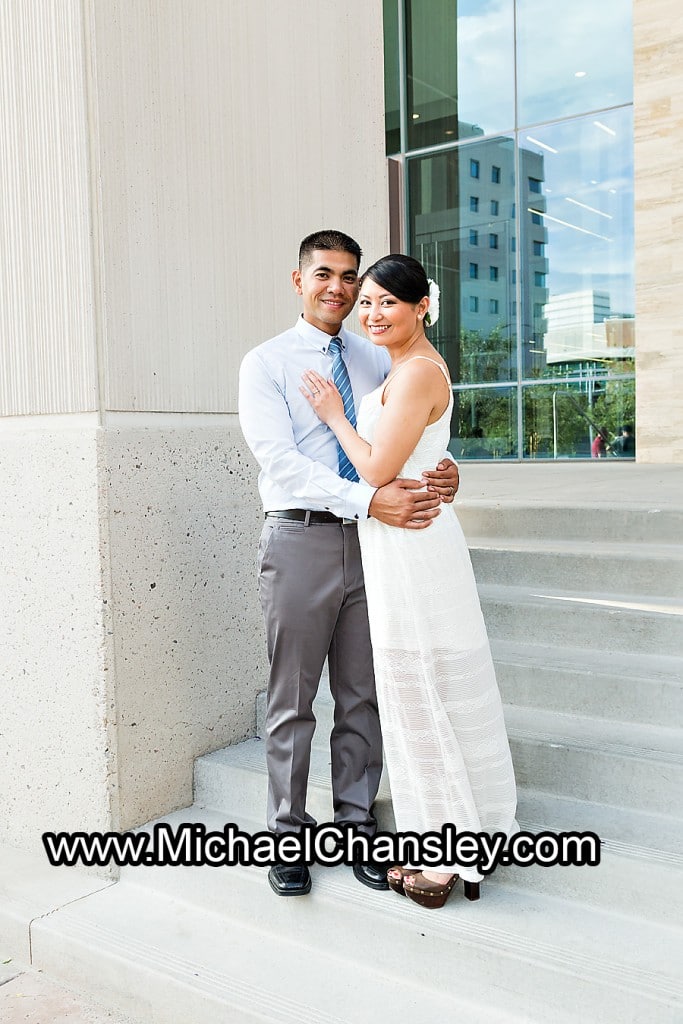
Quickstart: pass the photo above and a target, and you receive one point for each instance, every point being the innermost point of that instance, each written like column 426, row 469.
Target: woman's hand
column 444, row 480
column 323, row 397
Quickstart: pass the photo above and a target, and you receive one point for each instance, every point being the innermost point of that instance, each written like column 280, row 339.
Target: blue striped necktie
column 340, row 376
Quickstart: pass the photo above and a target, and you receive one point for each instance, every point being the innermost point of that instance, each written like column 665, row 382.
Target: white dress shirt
column 297, row 453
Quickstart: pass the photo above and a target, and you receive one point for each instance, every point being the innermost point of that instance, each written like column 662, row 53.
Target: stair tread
column 624, row 604
column 589, row 547
column 170, row 937
column 671, row 506
column 632, row 833
column 654, row 742
column 594, row 661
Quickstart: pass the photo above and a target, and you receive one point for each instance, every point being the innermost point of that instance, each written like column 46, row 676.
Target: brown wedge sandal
column 434, row 894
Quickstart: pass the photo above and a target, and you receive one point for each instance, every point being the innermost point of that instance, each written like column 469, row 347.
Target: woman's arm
column 409, row 403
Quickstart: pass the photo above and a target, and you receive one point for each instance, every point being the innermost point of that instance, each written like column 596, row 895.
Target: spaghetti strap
column 429, row 360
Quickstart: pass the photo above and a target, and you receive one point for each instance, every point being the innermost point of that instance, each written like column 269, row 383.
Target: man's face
column 329, row 287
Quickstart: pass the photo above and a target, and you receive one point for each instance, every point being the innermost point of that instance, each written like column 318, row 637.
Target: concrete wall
column 159, row 163
column 188, row 645
column 658, row 59
column 58, row 713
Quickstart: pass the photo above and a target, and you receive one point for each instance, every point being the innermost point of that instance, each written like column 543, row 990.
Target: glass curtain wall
column 514, row 130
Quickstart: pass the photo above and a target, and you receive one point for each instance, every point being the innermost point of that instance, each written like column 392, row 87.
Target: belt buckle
column 349, row 522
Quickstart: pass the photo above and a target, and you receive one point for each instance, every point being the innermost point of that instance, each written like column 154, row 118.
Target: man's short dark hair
column 336, row 241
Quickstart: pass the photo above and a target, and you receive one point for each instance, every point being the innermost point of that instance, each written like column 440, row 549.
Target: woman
column 446, row 748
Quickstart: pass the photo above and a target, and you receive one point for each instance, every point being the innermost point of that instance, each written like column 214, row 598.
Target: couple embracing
column 362, row 562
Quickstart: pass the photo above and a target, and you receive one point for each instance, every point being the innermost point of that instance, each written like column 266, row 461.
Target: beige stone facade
column 658, row 64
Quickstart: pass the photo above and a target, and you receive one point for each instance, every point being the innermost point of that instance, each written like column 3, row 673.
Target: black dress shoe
column 371, row 874
column 290, row 879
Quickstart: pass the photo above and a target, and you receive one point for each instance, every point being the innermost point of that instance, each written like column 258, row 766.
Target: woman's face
column 385, row 319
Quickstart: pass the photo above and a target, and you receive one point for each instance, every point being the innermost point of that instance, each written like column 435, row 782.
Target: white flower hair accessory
column 433, row 312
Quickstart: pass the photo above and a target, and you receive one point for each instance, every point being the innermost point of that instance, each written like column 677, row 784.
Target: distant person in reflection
column 598, row 447
column 447, row 751
column 477, row 449
column 625, row 443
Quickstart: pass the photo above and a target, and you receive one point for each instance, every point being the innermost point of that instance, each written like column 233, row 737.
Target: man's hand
column 405, row 503
column 443, row 481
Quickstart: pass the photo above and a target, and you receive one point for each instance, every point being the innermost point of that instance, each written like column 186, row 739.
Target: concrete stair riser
column 583, row 622
column 589, row 571
column 591, row 691
column 572, row 523
column 622, row 884
column 612, row 778
column 239, row 788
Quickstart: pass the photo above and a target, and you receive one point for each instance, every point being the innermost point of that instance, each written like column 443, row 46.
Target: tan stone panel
column 47, row 333
column 658, row 89
column 227, row 132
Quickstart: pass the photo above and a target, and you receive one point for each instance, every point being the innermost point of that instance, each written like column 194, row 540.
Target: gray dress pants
column 313, row 599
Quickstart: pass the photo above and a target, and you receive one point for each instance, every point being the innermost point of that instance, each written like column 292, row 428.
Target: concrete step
column 596, row 621
column 588, row 565
column 235, row 954
column 636, row 844
column 191, row 944
column 645, row 688
column 548, row 519
column 641, row 867
column 169, row 961
column 619, row 763
column 625, row 764
column 31, row 888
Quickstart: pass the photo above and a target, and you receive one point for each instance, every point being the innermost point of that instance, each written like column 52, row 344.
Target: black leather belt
column 303, row 515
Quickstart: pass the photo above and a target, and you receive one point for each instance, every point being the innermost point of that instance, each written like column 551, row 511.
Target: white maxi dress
column 446, row 748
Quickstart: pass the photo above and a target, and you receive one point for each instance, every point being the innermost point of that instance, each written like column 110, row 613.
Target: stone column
column 159, row 164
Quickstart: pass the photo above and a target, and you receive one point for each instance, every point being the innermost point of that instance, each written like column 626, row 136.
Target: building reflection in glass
column 527, row 227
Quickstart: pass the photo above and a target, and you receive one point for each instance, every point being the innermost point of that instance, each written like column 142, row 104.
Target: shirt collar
column 316, row 337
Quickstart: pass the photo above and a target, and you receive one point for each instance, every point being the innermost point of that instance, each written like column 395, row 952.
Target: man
column 310, row 573
column 625, row 443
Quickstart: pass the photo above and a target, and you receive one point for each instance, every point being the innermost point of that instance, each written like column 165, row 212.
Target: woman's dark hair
column 401, row 275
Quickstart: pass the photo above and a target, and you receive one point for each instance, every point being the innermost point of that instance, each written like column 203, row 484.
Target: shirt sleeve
column 267, row 428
